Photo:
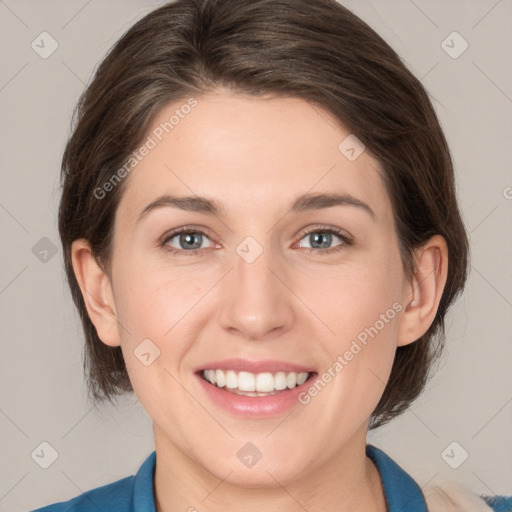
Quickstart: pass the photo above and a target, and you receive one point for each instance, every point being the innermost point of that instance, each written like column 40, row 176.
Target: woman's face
column 268, row 289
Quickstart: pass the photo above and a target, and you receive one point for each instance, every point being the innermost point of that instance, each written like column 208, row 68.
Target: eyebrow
column 305, row 202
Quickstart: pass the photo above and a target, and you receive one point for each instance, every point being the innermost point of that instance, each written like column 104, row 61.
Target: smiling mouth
column 255, row 384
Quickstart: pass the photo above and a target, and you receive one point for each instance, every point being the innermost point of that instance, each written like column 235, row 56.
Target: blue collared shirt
column 135, row 493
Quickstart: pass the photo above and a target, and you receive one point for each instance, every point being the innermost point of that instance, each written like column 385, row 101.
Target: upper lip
column 246, row 365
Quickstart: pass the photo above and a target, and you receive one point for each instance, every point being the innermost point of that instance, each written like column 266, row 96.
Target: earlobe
column 423, row 294
column 96, row 291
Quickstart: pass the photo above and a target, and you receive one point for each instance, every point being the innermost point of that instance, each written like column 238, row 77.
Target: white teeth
column 254, row 384
column 265, row 382
column 301, row 378
column 231, row 379
column 291, row 380
column 280, row 381
column 246, row 382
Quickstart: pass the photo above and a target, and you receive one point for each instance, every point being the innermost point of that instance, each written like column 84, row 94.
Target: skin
column 255, row 156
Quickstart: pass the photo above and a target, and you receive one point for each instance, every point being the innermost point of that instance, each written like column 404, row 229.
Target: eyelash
column 347, row 241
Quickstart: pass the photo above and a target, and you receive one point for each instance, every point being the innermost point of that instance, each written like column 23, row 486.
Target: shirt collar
column 402, row 493
column 143, row 498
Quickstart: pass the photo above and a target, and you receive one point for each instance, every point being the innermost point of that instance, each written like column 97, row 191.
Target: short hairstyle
column 315, row 50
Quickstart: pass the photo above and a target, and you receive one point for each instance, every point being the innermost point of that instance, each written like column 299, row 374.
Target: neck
column 348, row 481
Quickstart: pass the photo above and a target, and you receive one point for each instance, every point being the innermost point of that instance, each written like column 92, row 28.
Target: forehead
column 241, row 151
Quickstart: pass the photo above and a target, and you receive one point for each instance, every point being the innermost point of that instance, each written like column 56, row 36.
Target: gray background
column 42, row 392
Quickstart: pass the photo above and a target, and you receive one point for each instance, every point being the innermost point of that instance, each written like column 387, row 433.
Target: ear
column 423, row 294
column 96, row 290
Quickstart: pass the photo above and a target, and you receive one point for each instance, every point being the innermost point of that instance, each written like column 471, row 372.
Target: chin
column 247, row 479
column 271, row 474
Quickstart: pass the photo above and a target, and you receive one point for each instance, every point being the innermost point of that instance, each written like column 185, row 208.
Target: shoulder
column 499, row 503
column 403, row 493
column 126, row 495
column 116, row 495
column 400, row 490
column 453, row 497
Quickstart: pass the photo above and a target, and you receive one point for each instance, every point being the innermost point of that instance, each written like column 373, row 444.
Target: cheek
column 162, row 305
column 365, row 317
column 154, row 304
column 357, row 298
column 151, row 300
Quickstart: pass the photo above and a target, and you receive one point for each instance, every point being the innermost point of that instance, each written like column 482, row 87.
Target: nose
column 257, row 302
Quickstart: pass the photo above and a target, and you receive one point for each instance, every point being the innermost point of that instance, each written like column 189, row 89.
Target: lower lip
column 254, row 406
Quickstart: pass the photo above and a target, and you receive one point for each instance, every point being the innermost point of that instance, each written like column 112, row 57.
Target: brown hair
column 315, row 50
